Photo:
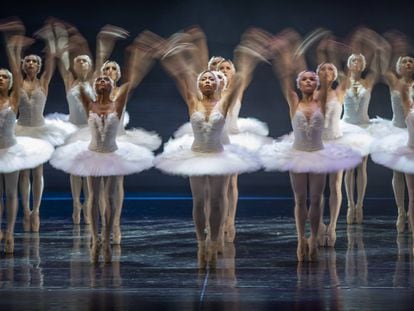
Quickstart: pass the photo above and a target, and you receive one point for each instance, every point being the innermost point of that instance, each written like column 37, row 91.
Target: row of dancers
column 216, row 145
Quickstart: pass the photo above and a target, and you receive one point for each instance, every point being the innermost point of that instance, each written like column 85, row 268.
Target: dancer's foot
column 76, row 213
column 401, row 220
column 302, row 249
column 35, row 221
column 359, row 215
column 116, row 235
column 322, row 235
column 95, row 250
column 201, row 255
column 230, row 233
column 85, row 211
column 26, row 221
column 212, row 254
column 313, row 248
column 107, row 252
column 350, row 215
column 9, row 243
column 331, row 236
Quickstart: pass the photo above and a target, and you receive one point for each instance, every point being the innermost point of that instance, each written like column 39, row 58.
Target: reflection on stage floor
column 370, row 268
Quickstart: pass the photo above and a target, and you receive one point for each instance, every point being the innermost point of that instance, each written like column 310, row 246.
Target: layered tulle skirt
column 53, row 131
column 76, row 159
column 280, row 155
column 178, row 159
column 392, row 152
column 27, row 153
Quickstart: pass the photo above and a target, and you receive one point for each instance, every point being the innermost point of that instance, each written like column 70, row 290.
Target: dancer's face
column 81, row 65
column 103, row 84
column 4, row 80
column 207, row 83
column 31, row 64
column 327, row 72
column 406, row 65
column 356, row 64
column 214, row 62
column 111, row 71
column 227, row 69
column 308, row 82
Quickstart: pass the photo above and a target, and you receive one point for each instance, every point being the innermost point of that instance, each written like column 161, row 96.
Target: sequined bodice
column 356, row 103
column 7, row 125
column 77, row 114
column 103, row 132
column 308, row 133
column 332, row 129
column 207, row 133
column 398, row 118
column 31, row 108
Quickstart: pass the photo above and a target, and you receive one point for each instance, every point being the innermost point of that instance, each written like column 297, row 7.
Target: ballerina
column 396, row 151
column 207, row 161
column 395, row 52
column 31, row 123
column 356, row 101
column 70, row 42
column 307, row 158
column 16, row 153
column 103, row 159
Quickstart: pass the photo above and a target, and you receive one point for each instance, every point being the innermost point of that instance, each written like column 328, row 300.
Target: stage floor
column 371, row 268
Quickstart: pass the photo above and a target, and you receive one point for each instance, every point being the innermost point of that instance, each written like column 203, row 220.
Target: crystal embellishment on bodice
column 332, row 128
column 308, row 133
column 31, row 108
column 207, row 133
column 7, row 125
column 356, row 103
column 103, row 132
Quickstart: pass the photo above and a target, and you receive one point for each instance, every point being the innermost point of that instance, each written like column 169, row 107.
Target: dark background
column 156, row 104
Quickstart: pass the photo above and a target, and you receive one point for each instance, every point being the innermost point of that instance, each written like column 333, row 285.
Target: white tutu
column 136, row 136
column 355, row 137
column 281, row 156
column 251, row 142
column 245, row 125
column 392, row 152
column 53, row 131
column 179, row 159
column 76, row 159
column 380, row 128
column 25, row 154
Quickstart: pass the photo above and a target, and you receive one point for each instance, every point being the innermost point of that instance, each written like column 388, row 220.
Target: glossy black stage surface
column 155, row 268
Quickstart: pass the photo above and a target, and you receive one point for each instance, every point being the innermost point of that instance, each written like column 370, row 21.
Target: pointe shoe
column 313, row 249
column 359, row 215
column 201, row 255
column 35, row 221
column 9, row 244
column 107, row 252
column 116, row 235
column 302, row 249
column 212, row 254
column 86, row 219
column 322, row 235
column 230, row 234
column 331, row 237
column 26, row 221
column 95, row 250
column 220, row 245
column 350, row 215
column 401, row 220
column 76, row 214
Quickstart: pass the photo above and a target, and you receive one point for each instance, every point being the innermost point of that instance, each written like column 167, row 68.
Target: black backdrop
column 156, row 104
